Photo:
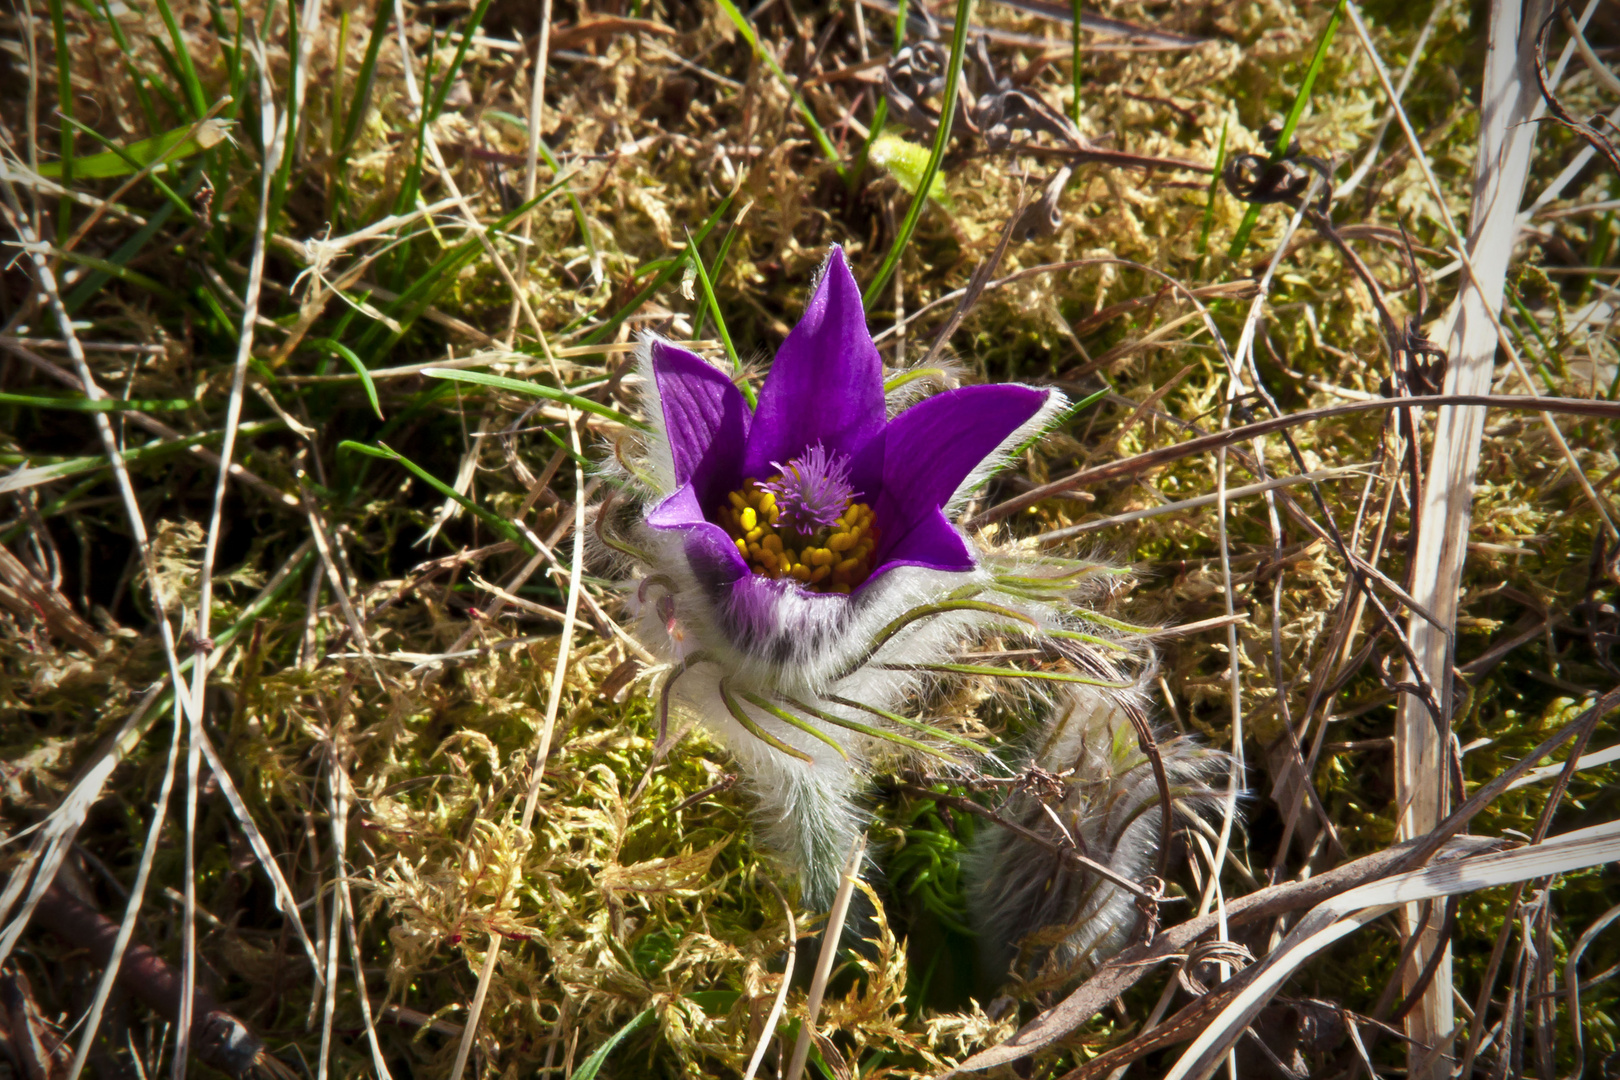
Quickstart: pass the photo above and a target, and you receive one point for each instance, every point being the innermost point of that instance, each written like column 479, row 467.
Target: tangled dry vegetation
column 248, row 231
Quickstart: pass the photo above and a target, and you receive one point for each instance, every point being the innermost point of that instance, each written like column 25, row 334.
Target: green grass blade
column 915, row 725
column 942, row 136
column 116, row 270
column 415, row 298
column 746, row 29
column 592, row 1065
column 182, row 59
column 1214, row 190
column 136, row 77
column 500, row 382
column 127, row 160
column 551, row 160
column 360, row 102
column 673, row 267
column 502, row 527
column 93, row 283
column 64, row 106
column 714, row 309
column 23, row 479
column 864, row 729
column 1252, row 215
column 82, row 404
column 714, row 271
column 1008, row 673
column 436, row 105
column 337, row 348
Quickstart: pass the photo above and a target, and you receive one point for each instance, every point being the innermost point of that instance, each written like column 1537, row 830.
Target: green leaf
column 1252, row 214
column 500, row 382
column 671, row 268
column 172, row 145
column 942, row 136
column 746, row 28
column 592, row 1065
column 1214, row 187
column 84, row 404
column 501, row 526
column 714, row 309
column 340, row 349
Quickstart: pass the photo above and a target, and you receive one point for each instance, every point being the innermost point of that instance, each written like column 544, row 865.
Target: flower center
column 803, row 524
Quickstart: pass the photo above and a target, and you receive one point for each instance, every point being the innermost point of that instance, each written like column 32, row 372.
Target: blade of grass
column 535, row 390
column 592, row 1065
column 942, row 136
column 337, row 348
column 1214, row 188
column 494, row 521
column 137, row 77
column 83, row 404
column 714, row 309
column 93, row 283
column 360, row 102
column 181, row 56
column 673, row 267
column 64, row 108
column 436, row 102
column 173, row 145
column 411, row 302
column 1252, row 215
column 746, row 29
column 719, row 263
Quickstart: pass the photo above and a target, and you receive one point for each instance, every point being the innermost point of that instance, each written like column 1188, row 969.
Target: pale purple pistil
column 813, row 490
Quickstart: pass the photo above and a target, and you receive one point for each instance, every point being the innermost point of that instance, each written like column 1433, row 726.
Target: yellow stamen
column 833, row 560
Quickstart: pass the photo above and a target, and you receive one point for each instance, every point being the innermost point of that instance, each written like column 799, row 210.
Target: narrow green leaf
column 1008, row 673
column 468, row 30
column 1214, row 189
column 942, row 136
column 171, row 146
column 696, row 260
column 746, row 29
column 864, row 729
column 77, row 466
column 182, row 59
column 1252, row 215
column 739, row 714
column 388, row 453
column 340, row 349
column 500, row 382
column 673, row 267
column 592, row 1065
column 895, row 718
column 83, row 404
column 794, row 721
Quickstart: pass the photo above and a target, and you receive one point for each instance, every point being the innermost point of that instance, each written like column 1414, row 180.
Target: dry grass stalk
column 1423, row 741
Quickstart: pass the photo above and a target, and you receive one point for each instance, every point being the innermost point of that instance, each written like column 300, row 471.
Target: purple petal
column 826, row 384
column 713, row 557
column 706, row 420
column 932, row 542
column 927, row 451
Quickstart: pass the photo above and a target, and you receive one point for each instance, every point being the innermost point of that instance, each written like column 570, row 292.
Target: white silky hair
column 1035, row 911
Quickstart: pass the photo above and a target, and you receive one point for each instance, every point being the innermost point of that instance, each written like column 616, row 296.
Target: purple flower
column 799, row 570
column 817, row 490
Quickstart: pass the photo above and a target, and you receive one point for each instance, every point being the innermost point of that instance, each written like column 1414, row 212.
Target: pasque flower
column 800, row 572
